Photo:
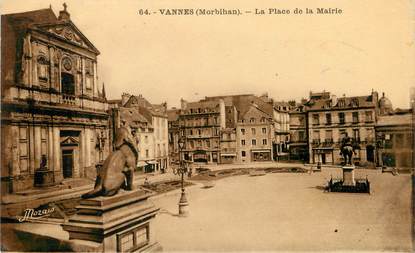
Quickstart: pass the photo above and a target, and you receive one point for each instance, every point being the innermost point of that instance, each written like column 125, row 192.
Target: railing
column 68, row 99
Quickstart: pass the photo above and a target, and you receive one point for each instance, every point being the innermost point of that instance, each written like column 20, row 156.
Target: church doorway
column 67, row 163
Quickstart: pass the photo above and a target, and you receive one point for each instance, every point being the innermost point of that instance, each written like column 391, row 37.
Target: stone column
column 38, row 147
column 31, row 153
column 57, row 155
column 87, row 148
column 51, row 153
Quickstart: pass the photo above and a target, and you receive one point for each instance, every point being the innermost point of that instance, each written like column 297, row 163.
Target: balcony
column 68, row 99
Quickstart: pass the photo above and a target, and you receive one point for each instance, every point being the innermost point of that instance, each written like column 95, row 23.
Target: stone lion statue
column 118, row 169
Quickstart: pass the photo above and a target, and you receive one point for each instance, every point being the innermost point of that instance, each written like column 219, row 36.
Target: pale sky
column 165, row 58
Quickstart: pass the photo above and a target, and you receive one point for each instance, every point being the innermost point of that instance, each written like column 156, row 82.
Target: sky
column 166, row 58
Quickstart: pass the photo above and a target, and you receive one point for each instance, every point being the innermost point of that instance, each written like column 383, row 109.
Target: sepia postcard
column 207, row 126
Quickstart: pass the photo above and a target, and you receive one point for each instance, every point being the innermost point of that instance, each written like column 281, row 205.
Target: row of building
column 56, row 117
column 249, row 128
column 230, row 129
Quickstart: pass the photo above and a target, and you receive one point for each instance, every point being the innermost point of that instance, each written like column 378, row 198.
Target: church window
column 42, row 68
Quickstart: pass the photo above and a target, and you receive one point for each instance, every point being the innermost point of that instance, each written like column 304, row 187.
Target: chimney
column 124, row 98
column 64, row 15
column 183, row 104
column 333, row 100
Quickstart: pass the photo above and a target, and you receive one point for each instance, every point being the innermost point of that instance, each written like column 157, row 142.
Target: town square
column 124, row 130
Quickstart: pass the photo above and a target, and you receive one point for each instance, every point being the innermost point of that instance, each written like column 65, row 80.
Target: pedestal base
column 112, row 220
column 348, row 176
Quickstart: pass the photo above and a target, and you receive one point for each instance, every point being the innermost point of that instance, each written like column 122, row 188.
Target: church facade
column 54, row 115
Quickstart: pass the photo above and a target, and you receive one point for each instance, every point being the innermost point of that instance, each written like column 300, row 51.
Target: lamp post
column 183, row 212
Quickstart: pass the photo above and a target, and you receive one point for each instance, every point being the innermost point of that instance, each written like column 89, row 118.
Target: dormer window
column 252, row 120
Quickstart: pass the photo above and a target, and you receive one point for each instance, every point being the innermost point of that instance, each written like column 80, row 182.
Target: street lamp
column 183, row 212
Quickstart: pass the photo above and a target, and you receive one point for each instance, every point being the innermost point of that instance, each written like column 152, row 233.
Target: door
column 370, row 154
column 323, row 158
column 67, row 163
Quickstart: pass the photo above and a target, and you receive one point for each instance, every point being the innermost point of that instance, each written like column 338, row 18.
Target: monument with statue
column 348, row 183
column 115, row 214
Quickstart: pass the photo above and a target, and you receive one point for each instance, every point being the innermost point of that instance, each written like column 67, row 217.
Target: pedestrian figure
column 146, row 183
column 189, row 173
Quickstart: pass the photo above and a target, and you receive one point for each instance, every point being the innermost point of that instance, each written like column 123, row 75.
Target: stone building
column 394, row 137
column 201, row 123
column 330, row 118
column 254, row 135
column 53, row 115
column 174, row 134
column 148, row 123
column 298, row 145
column 281, row 118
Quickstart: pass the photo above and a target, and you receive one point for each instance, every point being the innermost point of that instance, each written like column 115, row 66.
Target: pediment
column 68, row 32
column 69, row 141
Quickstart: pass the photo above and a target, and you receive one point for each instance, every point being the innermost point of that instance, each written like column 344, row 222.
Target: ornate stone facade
column 51, row 104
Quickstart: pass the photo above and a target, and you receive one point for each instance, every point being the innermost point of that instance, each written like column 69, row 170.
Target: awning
column 230, row 154
column 151, row 162
column 141, row 163
column 261, row 151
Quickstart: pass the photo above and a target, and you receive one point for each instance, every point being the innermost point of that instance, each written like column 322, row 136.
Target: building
column 281, row 118
column 330, row 118
column 394, row 139
column 201, row 123
column 254, row 135
column 148, row 123
column 298, row 145
column 174, row 134
column 54, row 119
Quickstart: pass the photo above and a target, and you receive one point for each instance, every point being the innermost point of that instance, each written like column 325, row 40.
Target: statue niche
column 118, row 169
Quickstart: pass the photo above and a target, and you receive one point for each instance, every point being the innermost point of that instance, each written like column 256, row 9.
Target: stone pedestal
column 120, row 223
column 348, row 175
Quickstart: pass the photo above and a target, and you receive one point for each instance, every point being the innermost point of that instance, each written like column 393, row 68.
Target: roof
column 132, row 117
column 173, row 114
column 341, row 103
column 395, row 120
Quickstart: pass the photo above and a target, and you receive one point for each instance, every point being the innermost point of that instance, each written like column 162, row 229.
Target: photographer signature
column 32, row 214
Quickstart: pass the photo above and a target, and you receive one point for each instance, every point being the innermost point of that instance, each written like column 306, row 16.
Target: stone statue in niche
column 118, row 169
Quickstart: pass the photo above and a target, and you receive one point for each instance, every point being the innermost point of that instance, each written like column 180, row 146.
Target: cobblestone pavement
column 288, row 211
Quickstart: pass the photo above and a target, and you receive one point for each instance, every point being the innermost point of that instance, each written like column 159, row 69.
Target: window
column 134, row 239
column 42, row 68
column 264, row 141
column 316, row 119
column 356, row 134
column 368, row 115
column 369, row 134
column 243, row 142
column 208, row 143
column 355, row 117
column 262, row 119
column 316, row 137
column 190, row 132
column 253, row 142
column 253, row 131
column 147, row 153
column 199, row 132
column 399, row 140
column 329, row 136
column 243, row 153
column 264, row 130
column 243, row 131
column 145, row 139
column 342, row 118
column 23, row 146
column 252, row 120
column 328, row 118
column 301, row 136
